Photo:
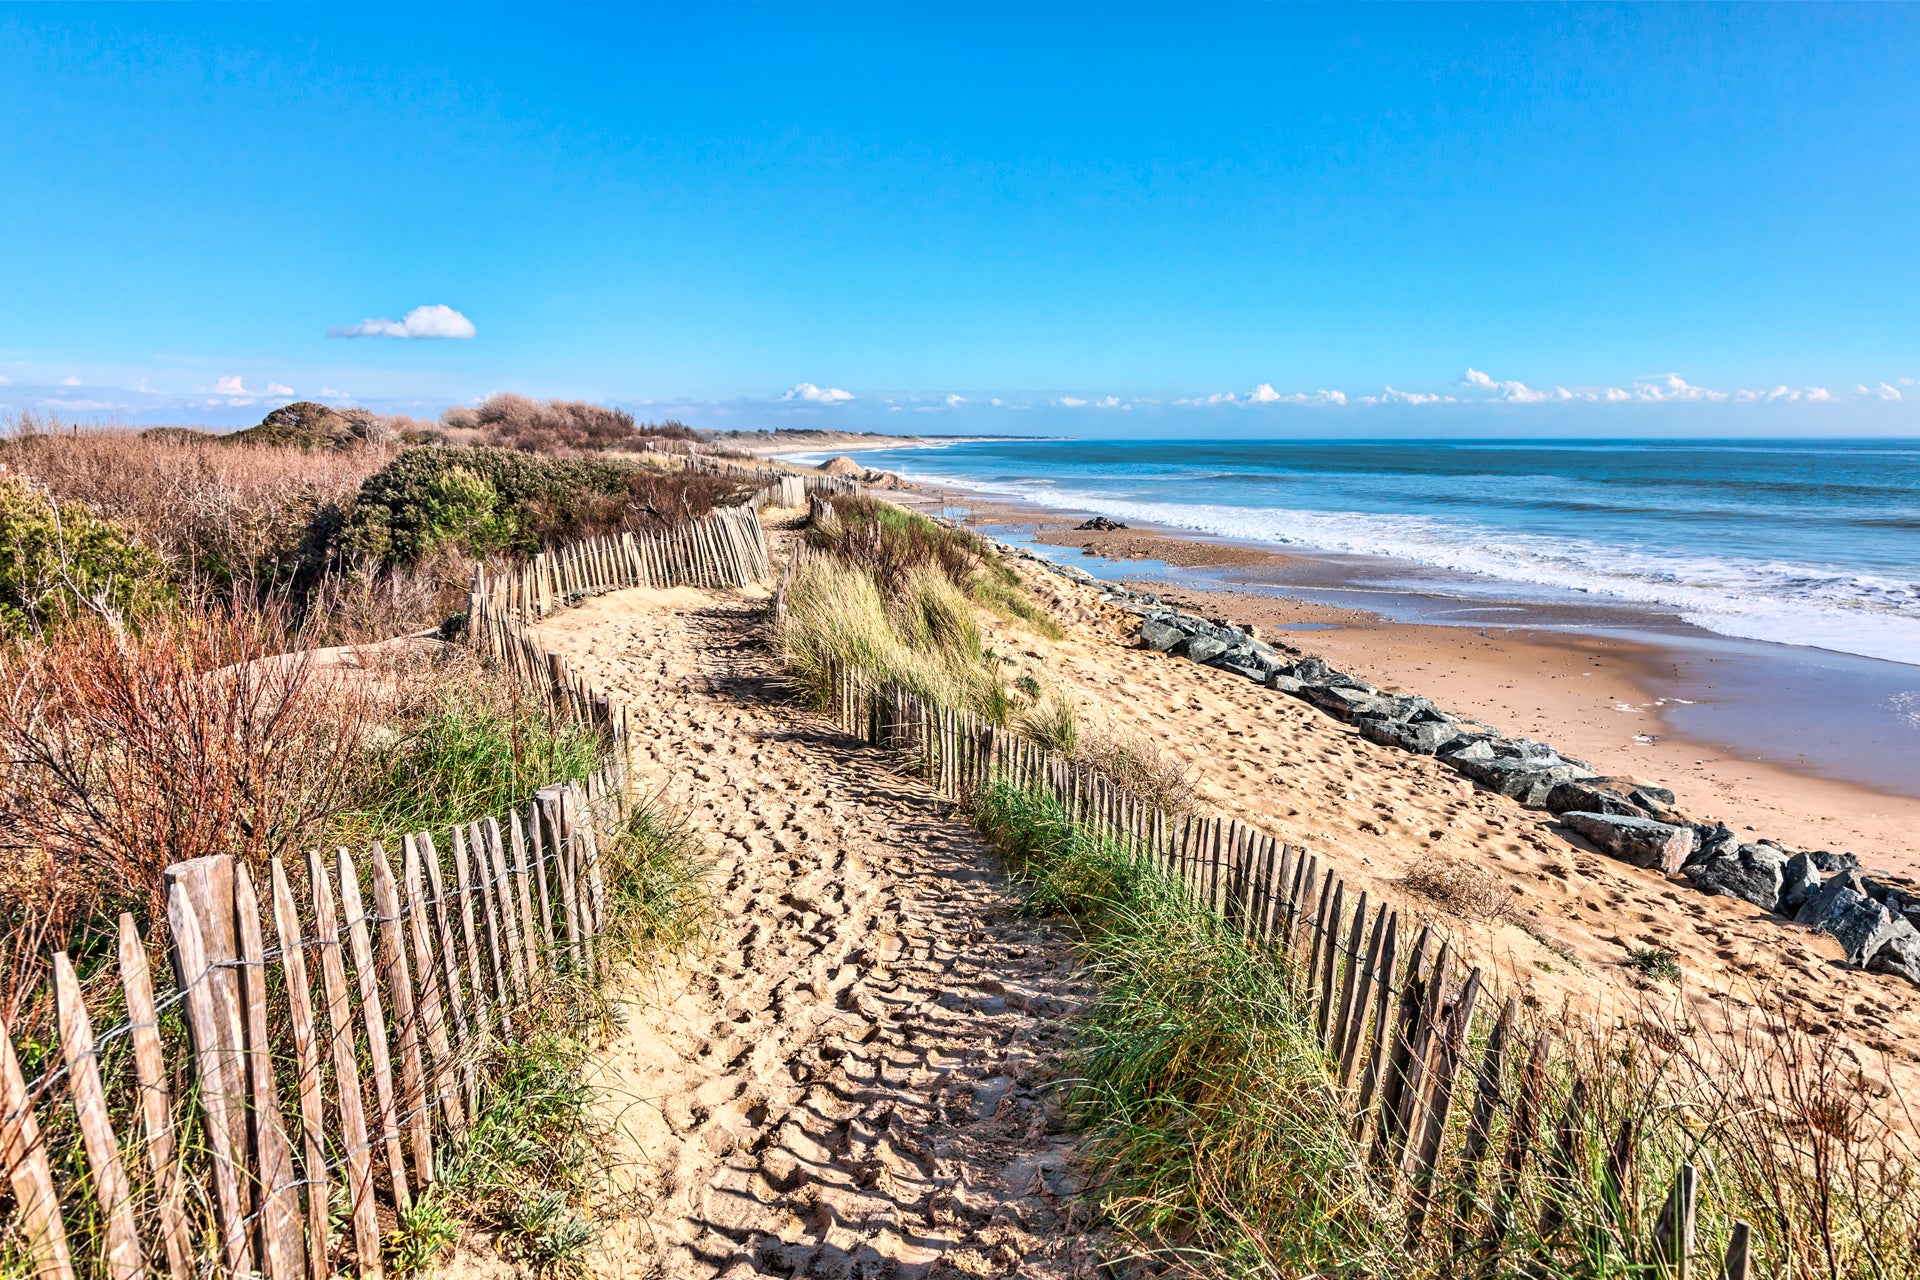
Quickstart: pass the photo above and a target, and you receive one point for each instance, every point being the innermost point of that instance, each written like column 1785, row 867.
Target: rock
column 1100, row 524
column 1476, row 749
column 1861, row 925
column 1316, row 671
column 841, row 466
column 1751, row 873
column 1899, row 954
column 1160, row 636
column 1524, row 749
column 1342, row 700
column 1285, row 683
column 1651, row 797
column 1588, row 797
column 1641, row 842
column 1422, row 737
column 1205, row 648
column 1528, row 781
column 1716, row 841
column 1800, row 880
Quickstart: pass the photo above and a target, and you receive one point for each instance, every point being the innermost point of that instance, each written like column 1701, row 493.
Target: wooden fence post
column 122, row 1252
column 360, row 939
column 346, row 1067
column 156, row 1100
column 279, row 1212
column 306, row 1047
column 24, row 1153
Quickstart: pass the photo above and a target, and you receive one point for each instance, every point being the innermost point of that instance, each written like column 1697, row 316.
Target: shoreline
column 1596, row 686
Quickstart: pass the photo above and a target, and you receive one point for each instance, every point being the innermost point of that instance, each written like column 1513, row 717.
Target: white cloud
column 1072, row 402
column 231, row 386
column 436, row 321
column 279, row 389
column 996, row 402
column 818, row 395
column 334, row 391
column 1818, row 393
column 954, row 402
column 1263, row 394
column 5, row 381
column 70, row 380
column 1671, row 386
column 1394, row 396
column 1887, row 391
column 1513, row 391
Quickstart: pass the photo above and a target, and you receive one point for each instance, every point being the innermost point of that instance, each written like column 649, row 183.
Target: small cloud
column 1818, row 393
column 1513, row 391
column 336, row 392
column 279, row 389
column 1072, row 402
column 1392, row 396
column 1887, row 391
column 818, row 395
column 231, row 386
column 436, row 321
column 954, row 402
column 5, row 381
column 1264, row 394
column 70, row 380
column 996, row 402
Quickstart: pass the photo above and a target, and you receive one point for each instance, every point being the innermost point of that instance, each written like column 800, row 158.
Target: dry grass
column 1460, row 888
column 1135, row 765
column 216, row 513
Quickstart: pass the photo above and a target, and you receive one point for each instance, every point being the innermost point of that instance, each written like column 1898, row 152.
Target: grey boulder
column 1586, row 797
column 1422, row 737
column 1343, row 701
column 1160, row 636
column 1205, row 648
column 1899, row 954
column 1800, row 881
column 1284, row 683
column 1474, row 749
column 1529, row 780
column 1861, row 925
column 1641, row 842
column 1750, row 873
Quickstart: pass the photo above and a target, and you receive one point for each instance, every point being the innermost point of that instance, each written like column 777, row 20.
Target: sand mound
column 842, row 466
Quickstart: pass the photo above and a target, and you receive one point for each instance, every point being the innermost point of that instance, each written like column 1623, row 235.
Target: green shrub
column 58, row 561
column 480, row 500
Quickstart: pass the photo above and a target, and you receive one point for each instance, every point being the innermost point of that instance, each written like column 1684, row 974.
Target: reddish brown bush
column 126, row 753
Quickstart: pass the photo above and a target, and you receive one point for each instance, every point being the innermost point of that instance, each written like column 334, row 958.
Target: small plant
column 1656, row 962
column 1054, row 724
column 426, row 1229
column 59, row 562
column 1462, row 888
column 1028, row 686
column 549, row 1234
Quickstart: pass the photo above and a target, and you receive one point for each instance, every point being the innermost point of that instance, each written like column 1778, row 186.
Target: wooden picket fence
column 1395, row 1019
column 205, row 1131
column 725, row 548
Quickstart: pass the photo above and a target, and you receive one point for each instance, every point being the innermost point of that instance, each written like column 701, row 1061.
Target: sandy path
column 852, row 1078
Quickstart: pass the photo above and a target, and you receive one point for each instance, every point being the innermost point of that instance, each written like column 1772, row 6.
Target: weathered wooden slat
column 509, row 918
column 1420, row 1058
column 156, row 1100
column 1673, row 1232
column 1393, row 1080
column 279, row 1213
column 1369, row 971
column 484, row 1001
column 1738, row 1262
column 596, row 888
column 1377, row 1045
column 543, row 839
column 1520, row 1135
column 406, row 1018
column 433, row 1013
column 523, row 899
column 1303, row 871
column 1355, row 961
column 346, row 1067
column 1316, row 943
column 120, row 1255
column 24, row 1153
column 1565, row 1159
column 1330, row 925
column 360, row 943
column 215, row 1048
column 461, row 1029
column 1486, row 1104
column 306, row 1051
column 562, row 847
column 1451, row 1045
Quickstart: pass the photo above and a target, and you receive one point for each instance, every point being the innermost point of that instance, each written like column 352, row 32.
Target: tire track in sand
column 852, row 1078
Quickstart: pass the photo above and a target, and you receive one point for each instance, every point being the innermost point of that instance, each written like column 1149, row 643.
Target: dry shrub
column 127, row 753
column 1134, row 764
column 217, row 514
column 508, row 421
column 1464, row 889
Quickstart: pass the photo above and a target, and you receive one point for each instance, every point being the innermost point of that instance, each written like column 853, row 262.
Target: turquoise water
column 1798, row 542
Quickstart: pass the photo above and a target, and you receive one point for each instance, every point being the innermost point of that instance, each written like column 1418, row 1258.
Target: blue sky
column 1374, row 220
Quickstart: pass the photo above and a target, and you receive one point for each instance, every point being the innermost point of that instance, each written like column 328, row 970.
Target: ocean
column 1781, row 578
column 1789, row 541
